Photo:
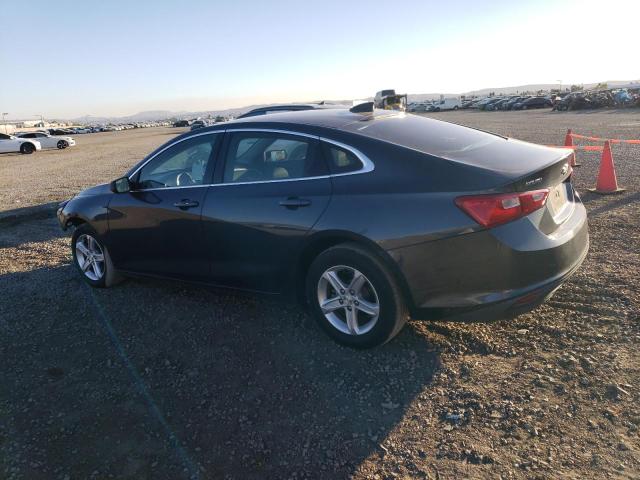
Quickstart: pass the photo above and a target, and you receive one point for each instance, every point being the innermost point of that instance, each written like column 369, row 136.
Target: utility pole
column 4, row 122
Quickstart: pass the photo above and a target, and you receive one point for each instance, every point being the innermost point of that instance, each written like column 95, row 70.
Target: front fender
column 89, row 209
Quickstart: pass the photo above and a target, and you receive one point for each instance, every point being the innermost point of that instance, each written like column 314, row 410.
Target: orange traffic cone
column 573, row 161
column 607, row 182
column 568, row 142
column 568, row 139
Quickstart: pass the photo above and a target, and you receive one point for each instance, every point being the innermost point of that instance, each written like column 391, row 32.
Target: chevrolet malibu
column 369, row 217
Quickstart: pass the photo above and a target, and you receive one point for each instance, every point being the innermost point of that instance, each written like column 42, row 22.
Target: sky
column 114, row 58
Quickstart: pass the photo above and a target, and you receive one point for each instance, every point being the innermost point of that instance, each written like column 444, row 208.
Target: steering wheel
column 184, row 179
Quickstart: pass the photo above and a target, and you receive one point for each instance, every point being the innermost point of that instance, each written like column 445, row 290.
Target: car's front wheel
column 91, row 258
column 62, row 144
column 354, row 297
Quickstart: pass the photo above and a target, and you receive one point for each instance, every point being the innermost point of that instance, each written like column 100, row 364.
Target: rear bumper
column 521, row 301
column 493, row 273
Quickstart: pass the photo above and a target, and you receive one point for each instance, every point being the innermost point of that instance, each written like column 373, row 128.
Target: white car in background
column 10, row 143
column 49, row 141
column 445, row 104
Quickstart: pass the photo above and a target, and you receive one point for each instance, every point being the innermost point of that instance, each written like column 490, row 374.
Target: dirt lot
column 160, row 380
column 54, row 175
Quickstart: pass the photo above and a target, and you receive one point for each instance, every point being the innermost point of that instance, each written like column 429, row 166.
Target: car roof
column 416, row 132
column 288, row 107
column 337, row 118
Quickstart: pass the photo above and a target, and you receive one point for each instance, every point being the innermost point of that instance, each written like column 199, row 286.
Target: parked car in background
column 496, row 105
column 49, row 141
column 181, row 123
column 508, row 105
column 11, row 143
column 468, row 103
column 533, row 102
column 198, row 124
column 59, row 131
column 417, row 107
column 445, row 104
column 480, row 104
column 489, row 104
column 371, row 217
column 294, row 107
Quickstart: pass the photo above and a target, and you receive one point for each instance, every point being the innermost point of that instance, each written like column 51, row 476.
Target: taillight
column 492, row 210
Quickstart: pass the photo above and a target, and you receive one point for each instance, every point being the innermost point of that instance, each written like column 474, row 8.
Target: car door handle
column 295, row 202
column 185, row 203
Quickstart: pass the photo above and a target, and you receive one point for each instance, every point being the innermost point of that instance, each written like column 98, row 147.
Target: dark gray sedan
column 369, row 217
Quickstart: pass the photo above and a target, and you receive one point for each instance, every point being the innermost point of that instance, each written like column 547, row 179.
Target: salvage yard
column 153, row 379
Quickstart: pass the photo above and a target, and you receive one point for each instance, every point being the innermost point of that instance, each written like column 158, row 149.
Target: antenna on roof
column 366, row 107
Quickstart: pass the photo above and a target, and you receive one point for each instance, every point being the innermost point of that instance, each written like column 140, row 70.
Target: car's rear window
column 424, row 134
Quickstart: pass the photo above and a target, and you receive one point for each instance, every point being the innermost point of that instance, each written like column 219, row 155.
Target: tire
column 524, row 107
column 27, row 148
column 101, row 273
column 62, row 144
column 376, row 287
column 455, row 107
column 437, row 109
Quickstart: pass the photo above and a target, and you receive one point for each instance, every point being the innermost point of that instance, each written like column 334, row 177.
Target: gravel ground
column 164, row 380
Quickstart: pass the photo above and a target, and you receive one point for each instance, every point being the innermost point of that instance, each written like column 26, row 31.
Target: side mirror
column 121, row 185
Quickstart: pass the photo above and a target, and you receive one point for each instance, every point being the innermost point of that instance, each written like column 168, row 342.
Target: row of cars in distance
column 493, row 103
column 105, row 128
column 29, row 142
column 119, row 127
column 511, row 102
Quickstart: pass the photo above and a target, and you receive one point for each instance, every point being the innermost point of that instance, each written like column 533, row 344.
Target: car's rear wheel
column 62, row 144
column 91, row 258
column 354, row 297
column 27, row 148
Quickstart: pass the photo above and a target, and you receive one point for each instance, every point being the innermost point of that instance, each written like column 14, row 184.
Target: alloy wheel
column 348, row 300
column 90, row 257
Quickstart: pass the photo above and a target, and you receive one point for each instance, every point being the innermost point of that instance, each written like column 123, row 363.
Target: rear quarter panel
column 406, row 199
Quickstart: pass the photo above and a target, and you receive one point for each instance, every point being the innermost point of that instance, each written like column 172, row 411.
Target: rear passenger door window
column 270, row 156
column 340, row 160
